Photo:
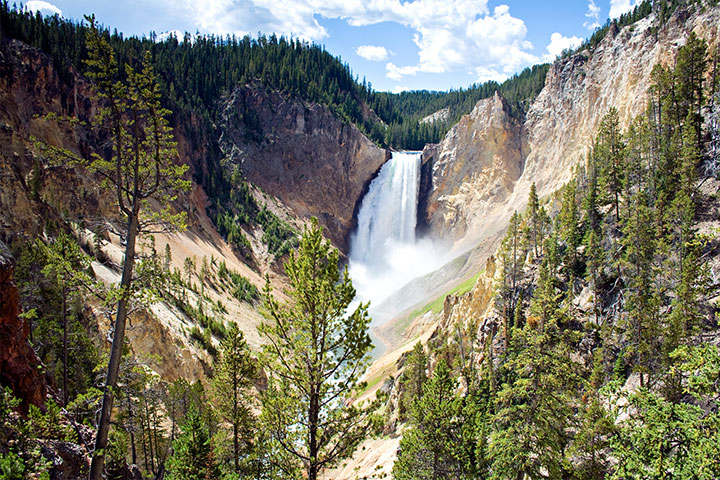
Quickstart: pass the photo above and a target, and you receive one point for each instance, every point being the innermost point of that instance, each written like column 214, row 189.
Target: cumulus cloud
column 400, row 89
column 373, row 53
column 593, row 15
column 618, row 7
column 397, row 73
column 559, row 43
column 451, row 35
column 242, row 17
column 485, row 74
column 459, row 35
column 46, row 8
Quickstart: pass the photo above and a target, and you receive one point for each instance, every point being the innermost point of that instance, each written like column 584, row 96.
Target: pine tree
column 413, row 378
column 233, row 379
column 689, row 75
column 591, row 445
column 692, row 275
column 535, row 412
column 595, row 261
column 547, row 296
column 569, row 225
column 641, row 302
column 512, row 255
column 193, row 457
column 66, row 266
column 637, row 161
column 139, row 168
column 590, row 201
column 671, row 439
column 535, row 220
column 610, row 151
column 315, row 356
column 437, row 445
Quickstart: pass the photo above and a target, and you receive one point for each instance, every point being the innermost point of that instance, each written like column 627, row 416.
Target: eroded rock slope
column 301, row 153
column 482, row 170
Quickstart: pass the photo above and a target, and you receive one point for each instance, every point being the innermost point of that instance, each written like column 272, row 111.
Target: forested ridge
column 195, row 71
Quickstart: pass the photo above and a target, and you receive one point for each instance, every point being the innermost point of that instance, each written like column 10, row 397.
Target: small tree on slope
column 315, row 355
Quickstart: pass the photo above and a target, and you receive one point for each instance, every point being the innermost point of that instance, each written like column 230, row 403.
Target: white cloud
column 484, row 74
column 451, row 35
column 559, row 43
column 396, row 73
column 593, row 14
column 373, row 53
column 400, row 89
column 618, row 7
column 46, row 8
column 243, row 17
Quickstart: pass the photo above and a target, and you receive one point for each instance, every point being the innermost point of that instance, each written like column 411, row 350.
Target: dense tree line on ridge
column 195, row 71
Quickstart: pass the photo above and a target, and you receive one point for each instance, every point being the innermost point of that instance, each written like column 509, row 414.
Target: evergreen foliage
column 232, row 382
column 616, row 285
column 51, row 277
column 626, row 232
column 440, row 442
column 413, row 379
column 535, row 407
column 196, row 71
column 137, row 168
column 315, row 355
column 193, row 456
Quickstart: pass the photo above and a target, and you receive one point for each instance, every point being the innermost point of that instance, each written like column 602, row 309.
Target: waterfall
column 388, row 212
column 384, row 253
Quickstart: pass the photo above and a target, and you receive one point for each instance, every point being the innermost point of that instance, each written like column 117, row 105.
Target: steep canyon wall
column 482, row 170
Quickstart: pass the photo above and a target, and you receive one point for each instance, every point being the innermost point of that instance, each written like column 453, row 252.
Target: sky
column 395, row 45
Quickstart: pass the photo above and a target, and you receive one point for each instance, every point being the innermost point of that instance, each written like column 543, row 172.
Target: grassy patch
column 436, row 305
column 379, row 376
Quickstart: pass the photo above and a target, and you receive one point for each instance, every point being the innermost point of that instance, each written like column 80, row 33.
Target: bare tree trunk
column 236, row 434
column 132, row 430
column 65, row 346
column 313, row 412
column 98, row 461
column 149, row 434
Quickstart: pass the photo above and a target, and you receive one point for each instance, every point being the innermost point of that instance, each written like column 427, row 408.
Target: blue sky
column 395, row 44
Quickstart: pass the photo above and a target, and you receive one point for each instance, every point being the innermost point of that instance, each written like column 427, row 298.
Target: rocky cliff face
column 482, row 171
column 473, row 168
column 20, row 367
column 302, row 154
column 29, row 88
column 580, row 90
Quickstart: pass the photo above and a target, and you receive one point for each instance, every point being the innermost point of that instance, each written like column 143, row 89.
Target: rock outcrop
column 301, row 153
column 37, row 194
column 563, row 121
column 30, row 87
column 20, row 367
column 473, row 168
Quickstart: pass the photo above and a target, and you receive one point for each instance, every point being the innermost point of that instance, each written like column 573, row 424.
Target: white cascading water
column 388, row 212
column 384, row 253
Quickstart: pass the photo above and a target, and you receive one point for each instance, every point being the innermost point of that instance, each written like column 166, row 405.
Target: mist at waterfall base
column 384, row 253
